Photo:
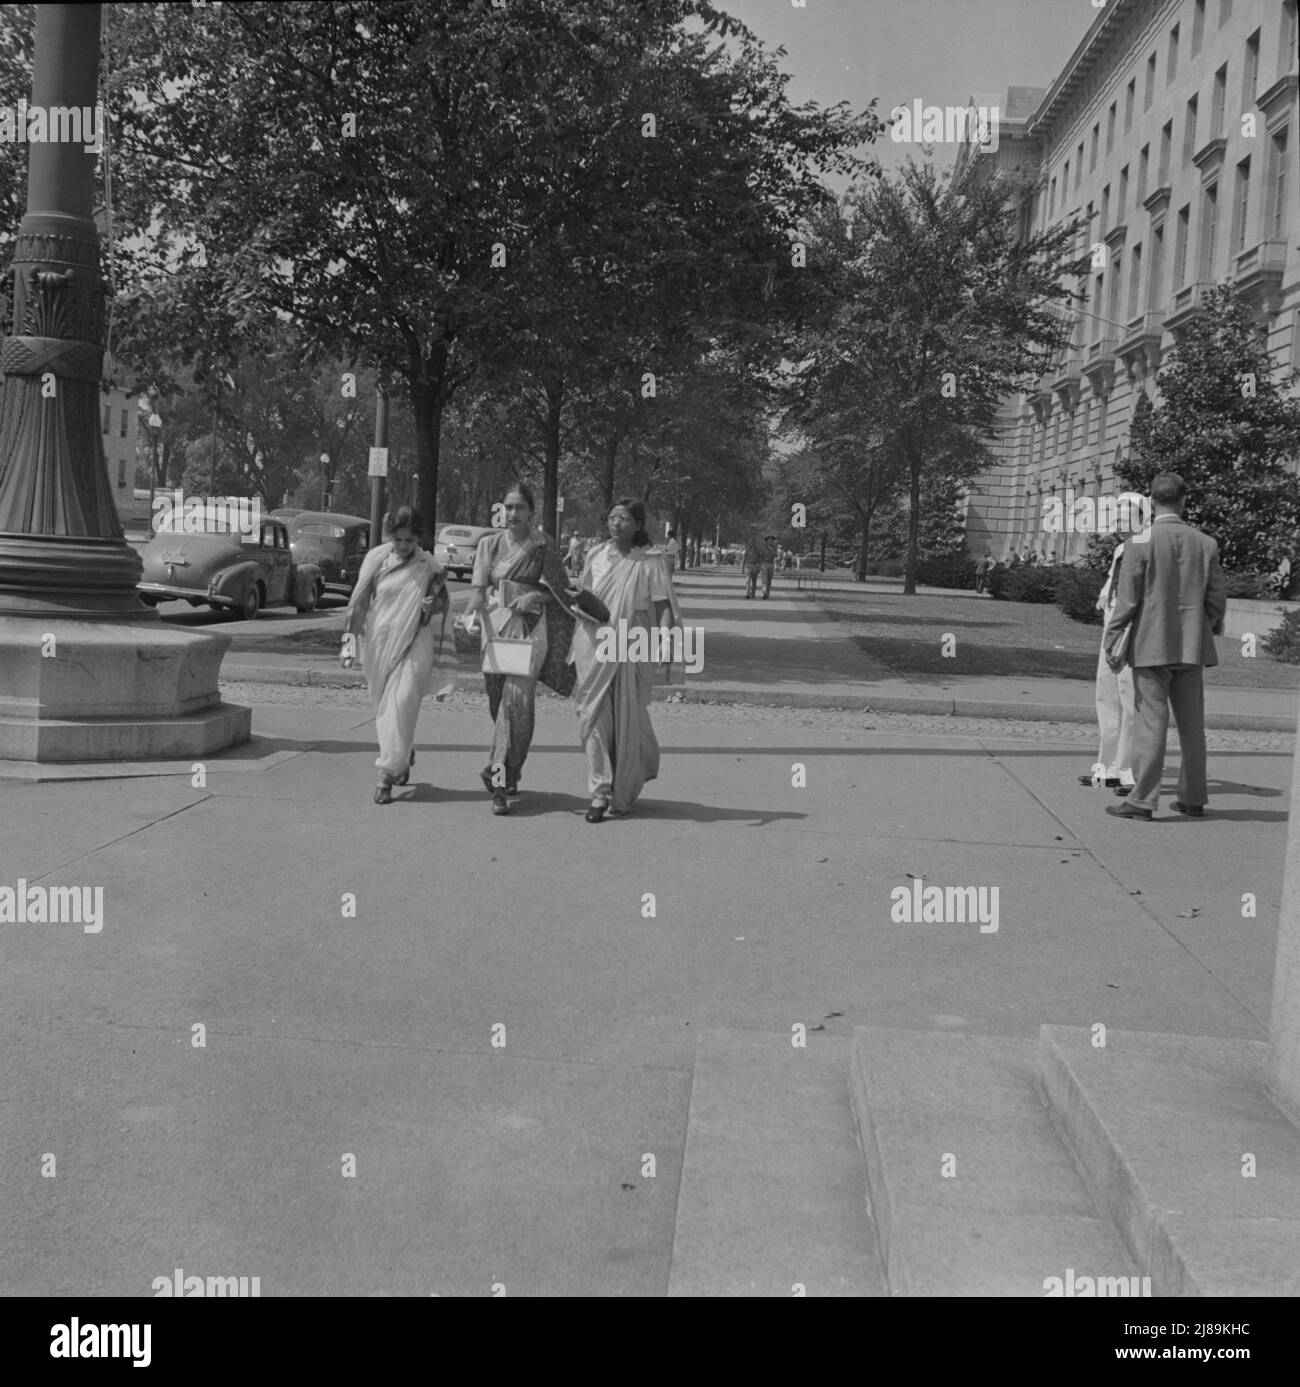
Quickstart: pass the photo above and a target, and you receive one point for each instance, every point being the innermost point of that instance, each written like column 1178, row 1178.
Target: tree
column 1226, row 426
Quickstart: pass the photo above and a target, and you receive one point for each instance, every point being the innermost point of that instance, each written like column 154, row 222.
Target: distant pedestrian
column 388, row 623
column 753, row 561
column 670, row 551
column 573, row 558
column 1171, row 604
column 1114, row 698
column 769, row 564
column 1014, row 561
column 981, row 571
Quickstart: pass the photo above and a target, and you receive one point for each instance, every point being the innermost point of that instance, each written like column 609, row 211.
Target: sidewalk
column 786, row 652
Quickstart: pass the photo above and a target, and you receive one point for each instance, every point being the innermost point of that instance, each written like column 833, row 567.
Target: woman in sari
column 613, row 697
column 398, row 590
column 513, row 570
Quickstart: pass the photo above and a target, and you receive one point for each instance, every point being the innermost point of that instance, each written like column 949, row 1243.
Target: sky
column 899, row 50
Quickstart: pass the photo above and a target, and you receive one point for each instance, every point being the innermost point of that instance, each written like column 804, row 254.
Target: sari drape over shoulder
column 629, row 587
column 397, row 652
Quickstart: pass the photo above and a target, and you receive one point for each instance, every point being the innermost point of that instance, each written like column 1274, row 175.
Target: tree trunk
column 913, row 526
column 427, row 406
column 554, row 388
column 861, row 574
column 607, row 477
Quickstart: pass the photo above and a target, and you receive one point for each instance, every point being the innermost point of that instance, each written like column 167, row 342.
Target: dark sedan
column 335, row 543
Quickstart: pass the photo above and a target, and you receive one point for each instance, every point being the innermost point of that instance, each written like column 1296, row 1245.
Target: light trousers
column 1114, row 718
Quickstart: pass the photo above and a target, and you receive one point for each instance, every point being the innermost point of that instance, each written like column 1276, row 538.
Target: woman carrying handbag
column 513, row 569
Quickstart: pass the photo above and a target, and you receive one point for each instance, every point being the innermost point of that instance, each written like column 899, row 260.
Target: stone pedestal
column 98, row 691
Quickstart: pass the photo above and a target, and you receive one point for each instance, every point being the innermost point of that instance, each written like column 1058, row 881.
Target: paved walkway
column 785, row 651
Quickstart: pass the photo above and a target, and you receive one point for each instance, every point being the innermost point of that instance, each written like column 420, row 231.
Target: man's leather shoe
column 1127, row 811
column 1110, row 782
column 1122, row 790
column 1193, row 811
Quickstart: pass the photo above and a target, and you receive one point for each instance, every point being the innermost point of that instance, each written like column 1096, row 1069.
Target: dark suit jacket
column 1171, row 591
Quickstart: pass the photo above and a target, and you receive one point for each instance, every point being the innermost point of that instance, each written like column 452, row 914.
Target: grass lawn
column 1023, row 639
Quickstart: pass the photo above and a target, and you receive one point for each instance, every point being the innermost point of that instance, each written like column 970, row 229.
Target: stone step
column 1012, row 1211
column 772, row 1193
column 1167, row 1130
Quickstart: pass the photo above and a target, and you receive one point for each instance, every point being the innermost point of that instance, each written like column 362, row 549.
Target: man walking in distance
column 1171, row 605
column 769, row 564
column 753, row 561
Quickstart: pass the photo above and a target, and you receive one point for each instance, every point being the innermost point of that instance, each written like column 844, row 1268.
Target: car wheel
column 252, row 604
column 312, row 598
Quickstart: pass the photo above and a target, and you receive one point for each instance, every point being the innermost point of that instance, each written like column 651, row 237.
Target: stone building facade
column 1172, row 136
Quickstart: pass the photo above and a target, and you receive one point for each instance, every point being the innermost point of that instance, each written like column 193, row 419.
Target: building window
column 1171, row 69
column 1092, row 158
column 121, row 472
column 1051, row 199
column 1078, row 166
column 1189, row 132
column 108, row 419
column 1122, row 203
column 1104, row 224
column 122, row 429
column 1209, row 230
column 1198, row 26
column 1065, row 179
column 1112, row 308
column 1101, row 422
column 1150, row 90
column 1180, row 247
column 1134, row 282
column 1241, row 207
column 1098, row 298
column 1166, row 145
column 1130, row 95
column 1250, row 74
column 1277, row 188
column 1216, row 108
column 1110, row 128
column 1157, row 266
column 1289, row 37
column 1225, row 12
column 1144, row 168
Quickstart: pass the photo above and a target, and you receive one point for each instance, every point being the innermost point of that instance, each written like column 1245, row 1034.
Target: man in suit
column 1171, row 605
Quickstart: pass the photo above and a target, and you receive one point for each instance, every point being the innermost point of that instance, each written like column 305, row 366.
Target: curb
column 848, row 701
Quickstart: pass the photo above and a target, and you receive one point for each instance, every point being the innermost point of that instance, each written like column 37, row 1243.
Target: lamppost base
column 77, row 690
column 79, row 577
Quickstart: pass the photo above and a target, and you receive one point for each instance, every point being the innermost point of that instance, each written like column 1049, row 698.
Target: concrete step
column 971, row 1188
column 772, row 1194
column 1181, row 1146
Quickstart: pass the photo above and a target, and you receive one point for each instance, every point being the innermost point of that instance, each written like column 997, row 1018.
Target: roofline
column 1084, row 58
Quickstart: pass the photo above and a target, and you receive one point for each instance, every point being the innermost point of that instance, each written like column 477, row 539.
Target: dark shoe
column 499, row 805
column 513, row 790
column 486, row 777
column 1123, row 790
column 383, row 794
column 405, row 777
column 1110, row 782
column 596, row 813
column 1127, row 811
column 1193, row 811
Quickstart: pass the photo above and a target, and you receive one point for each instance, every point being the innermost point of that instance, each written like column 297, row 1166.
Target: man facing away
column 1171, row 604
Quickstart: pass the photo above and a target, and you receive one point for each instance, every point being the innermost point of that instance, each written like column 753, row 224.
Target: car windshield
column 450, row 536
column 194, row 524
column 328, row 531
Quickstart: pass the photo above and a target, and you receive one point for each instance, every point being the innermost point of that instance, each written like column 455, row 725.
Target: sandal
column 596, row 813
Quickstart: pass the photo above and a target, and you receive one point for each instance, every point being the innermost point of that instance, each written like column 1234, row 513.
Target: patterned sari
column 613, row 698
column 508, row 572
column 397, row 652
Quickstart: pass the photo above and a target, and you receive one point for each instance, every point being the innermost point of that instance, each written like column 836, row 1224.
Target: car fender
column 235, row 581
column 306, row 577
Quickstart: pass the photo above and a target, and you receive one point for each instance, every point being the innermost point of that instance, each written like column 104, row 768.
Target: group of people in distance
column 519, row 591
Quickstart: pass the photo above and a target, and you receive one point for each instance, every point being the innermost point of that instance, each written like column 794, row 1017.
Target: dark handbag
column 584, row 602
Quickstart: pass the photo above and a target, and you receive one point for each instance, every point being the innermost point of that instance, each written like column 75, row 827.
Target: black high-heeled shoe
column 383, row 794
column 596, row 814
column 499, row 805
column 406, row 774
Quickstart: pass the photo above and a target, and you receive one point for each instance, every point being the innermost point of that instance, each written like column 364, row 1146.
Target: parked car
column 229, row 571
column 286, row 512
column 455, row 546
column 335, row 543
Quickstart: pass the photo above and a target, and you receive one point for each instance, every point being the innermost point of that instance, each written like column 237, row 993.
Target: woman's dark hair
column 636, row 509
column 526, row 491
column 404, row 518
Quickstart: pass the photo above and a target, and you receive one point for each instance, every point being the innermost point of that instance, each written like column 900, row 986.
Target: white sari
column 397, row 652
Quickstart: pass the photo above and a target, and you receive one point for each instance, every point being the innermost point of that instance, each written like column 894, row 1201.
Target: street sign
column 379, row 462
column 559, row 503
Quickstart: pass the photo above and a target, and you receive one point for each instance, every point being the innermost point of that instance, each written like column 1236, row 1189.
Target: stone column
column 1284, row 1030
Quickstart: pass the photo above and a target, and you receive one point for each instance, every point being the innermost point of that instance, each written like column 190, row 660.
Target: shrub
column 1252, row 586
column 1077, row 590
column 1028, row 583
column 946, row 571
column 890, row 568
column 1283, row 643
